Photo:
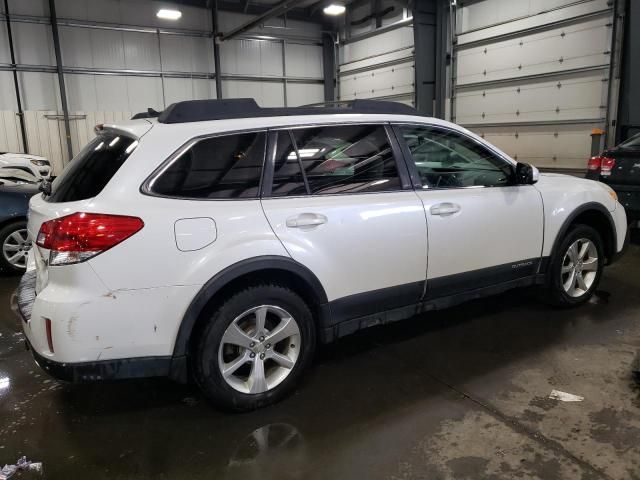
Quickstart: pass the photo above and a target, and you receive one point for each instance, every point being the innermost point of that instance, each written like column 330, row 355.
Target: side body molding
column 215, row 284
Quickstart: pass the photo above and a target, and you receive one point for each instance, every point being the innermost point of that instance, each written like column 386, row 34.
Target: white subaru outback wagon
column 223, row 242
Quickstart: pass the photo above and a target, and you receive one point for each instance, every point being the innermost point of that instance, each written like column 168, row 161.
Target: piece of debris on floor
column 635, row 368
column 565, row 397
column 9, row 471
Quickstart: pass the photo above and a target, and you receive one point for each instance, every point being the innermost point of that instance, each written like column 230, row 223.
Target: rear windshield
column 633, row 142
column 90, row 171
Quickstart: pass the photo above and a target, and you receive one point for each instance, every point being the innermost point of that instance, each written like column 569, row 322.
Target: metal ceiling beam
column 276, row 11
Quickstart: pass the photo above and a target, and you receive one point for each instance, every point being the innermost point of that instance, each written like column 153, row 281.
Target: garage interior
column 459, row 393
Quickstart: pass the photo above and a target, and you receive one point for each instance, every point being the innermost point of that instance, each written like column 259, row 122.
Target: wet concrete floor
column 461, row 394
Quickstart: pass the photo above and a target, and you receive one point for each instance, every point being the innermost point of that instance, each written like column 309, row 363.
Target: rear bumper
column 629, row 198
column 83, row 371
column 103, row 370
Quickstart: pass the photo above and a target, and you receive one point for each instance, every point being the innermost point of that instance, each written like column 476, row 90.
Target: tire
column 237, row 322
column 561, row 291
column 12, row 237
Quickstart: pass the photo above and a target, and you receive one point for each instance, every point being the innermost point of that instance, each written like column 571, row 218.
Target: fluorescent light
column 167, row 14
column 334, row 9
column 4, row 383
column 304, row 153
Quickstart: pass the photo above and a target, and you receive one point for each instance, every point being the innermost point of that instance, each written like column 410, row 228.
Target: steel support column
column 63, row 90
column 329, row 67
column 216, row 48
column 16, row 84
column 425, row 35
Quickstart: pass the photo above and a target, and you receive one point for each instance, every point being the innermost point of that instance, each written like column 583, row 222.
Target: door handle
column 445, row 209
column 306, row 220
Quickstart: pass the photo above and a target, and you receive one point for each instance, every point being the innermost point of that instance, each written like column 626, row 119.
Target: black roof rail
column 150, row 113
column 203, row 110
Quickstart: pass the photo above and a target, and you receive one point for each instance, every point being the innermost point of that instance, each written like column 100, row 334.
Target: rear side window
column 228, row 166
column 333, row 160
column 90, row 171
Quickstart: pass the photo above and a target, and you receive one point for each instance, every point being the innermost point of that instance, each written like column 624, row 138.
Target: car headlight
column 40, row 163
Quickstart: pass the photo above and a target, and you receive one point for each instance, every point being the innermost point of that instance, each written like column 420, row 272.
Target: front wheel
column 576, row 267
column 254, row 348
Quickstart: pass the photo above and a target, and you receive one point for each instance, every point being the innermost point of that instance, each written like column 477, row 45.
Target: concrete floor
column 458, row 394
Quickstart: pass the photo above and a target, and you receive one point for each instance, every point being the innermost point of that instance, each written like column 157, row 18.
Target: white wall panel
column 304, row 94
column 292, row 28
column 132, row 12
column 377, row 45
column 585, row 44
column 482, row 15
column 7, row 92
column 5, row 56
column 561, row 146
column 177, row 89
column 140, row 51
column 267, row 94
column 39, row 91
column 33, row 43
column 10, row 135
column 304, row 60
column 29, row 7
column 186, row 54
column 251, row 57
column 383, row 82
column 76, row 46
column 576, row 97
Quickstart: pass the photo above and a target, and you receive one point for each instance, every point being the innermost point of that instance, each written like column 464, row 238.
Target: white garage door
column 533, row 76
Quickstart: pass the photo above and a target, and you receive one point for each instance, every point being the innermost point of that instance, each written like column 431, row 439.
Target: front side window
column 228, row 166
column 334, row 160
column 446, row 159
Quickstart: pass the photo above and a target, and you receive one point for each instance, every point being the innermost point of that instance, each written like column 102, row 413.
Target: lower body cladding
column 89, row 333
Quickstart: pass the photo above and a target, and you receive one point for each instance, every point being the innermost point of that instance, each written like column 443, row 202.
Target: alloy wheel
column 16, row 247
column 579, row 267
column 259, row 349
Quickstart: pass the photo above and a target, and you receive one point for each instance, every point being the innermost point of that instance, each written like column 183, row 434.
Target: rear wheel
column 577, row 266
column 14, row 247
column 254, row 348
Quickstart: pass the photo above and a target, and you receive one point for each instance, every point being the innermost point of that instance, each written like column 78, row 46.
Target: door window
column 334, row 160
column 228, row 166
column 446, row 159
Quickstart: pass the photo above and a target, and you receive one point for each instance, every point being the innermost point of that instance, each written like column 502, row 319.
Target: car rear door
column 483, row 229
column 341, row 203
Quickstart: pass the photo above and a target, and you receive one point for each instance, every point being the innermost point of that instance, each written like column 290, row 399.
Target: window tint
column 229, row 166
column 90, row 171
column 445, row 159
column 632, row 143
column 335, row 159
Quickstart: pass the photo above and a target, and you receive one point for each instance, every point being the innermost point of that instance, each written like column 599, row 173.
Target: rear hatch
column 72, row 191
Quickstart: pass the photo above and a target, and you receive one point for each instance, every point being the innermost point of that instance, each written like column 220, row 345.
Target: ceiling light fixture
column 167, row 14
column 334, row 9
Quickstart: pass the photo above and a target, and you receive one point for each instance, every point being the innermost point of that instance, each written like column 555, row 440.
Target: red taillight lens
column 604, row 164
column 594, row 163
column 607, row 165
column 80, row 236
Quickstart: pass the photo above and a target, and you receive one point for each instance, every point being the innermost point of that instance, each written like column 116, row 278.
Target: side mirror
column 526, row 174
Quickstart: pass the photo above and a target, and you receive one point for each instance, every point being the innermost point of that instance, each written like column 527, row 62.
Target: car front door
column 483, row 228
column 340, row 200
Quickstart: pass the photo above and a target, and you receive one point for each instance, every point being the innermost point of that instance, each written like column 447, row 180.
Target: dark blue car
column 14, row 242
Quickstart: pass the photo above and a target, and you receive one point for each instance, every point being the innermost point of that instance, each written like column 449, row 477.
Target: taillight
column 602, row 164
column 594, row 163
column 81, row 236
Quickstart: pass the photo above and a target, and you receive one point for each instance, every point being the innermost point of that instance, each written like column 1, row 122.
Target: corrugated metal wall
column 119, row 58
column 377, row 61
column 532, row 77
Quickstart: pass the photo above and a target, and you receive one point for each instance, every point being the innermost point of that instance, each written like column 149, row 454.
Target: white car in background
column 224, row 241
column 39, row 167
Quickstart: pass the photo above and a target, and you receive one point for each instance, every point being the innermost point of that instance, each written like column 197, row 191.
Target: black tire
column 557, row 294
column 5, row 232
column 205, row 366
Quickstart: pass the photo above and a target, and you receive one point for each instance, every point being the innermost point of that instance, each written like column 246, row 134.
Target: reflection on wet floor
column 461, row 393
